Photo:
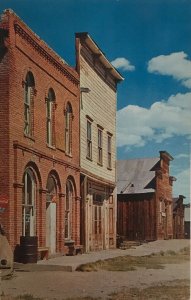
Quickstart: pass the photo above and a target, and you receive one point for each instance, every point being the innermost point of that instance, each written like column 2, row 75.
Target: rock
column 6, row 256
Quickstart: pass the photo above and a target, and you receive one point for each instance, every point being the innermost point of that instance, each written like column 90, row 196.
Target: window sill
column 51, row 147
column 29, row 137
column 89, row 158
column 99, row 164
column 110, row 169
column 68, row 154
column 68, row 242
column 62, row 150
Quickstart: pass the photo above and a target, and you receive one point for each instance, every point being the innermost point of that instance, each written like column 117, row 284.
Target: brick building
column 144, row 198
column 39, row 140
column 178, row 217
column 98, row 84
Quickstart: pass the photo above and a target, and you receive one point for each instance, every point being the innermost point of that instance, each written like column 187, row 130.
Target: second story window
column 100, row 150
column 68, row 129
column 28, row 104
column 50, row 107
column 89, row 139
column 109, row 165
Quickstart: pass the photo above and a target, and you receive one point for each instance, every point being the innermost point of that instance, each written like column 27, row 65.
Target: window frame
column 109, row 151
column 27, row 206
column 89, row 140
column 68, row 129
column 50, row 114
column 100, row 146
column 29, row 90
column 68, row 210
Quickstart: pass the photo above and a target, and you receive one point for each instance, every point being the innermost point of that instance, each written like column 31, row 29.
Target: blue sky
column 149, row 42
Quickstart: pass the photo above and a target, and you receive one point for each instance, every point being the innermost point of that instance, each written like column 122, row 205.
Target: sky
column 149, row 44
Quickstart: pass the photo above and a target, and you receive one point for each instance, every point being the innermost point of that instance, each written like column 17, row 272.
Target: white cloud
column 182, row 184
column 137, row 125
column 176, row 65
column 123, row 64
column 181, row 155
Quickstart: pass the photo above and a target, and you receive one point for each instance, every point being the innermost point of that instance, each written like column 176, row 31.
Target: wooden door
column 51, row 227
column 97, row 227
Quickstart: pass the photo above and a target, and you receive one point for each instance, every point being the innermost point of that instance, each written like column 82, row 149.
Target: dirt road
column 59, row 285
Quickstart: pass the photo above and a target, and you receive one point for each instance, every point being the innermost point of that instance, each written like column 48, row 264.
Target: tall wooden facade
column 98, row 85
column 144, row 198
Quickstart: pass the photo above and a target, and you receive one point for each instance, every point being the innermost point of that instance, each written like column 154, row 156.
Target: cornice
column 59, row 66
column 40, row 154
column 98, row 67
column 98, row 179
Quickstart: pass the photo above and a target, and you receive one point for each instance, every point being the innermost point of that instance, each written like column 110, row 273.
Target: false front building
column 39, row 135
column 144, row 198
column 98, row 85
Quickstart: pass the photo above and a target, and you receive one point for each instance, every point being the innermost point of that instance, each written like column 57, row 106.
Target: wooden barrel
column 28, row 249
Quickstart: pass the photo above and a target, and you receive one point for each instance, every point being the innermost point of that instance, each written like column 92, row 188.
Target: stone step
column 129, row 244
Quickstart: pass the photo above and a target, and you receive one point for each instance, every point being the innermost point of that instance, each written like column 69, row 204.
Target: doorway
column 51, row 215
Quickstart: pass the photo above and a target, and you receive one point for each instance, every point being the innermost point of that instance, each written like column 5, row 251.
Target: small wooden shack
column 187, row 220
column 178, row 217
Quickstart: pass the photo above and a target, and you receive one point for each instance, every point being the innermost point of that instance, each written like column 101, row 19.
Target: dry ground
column 158, row 276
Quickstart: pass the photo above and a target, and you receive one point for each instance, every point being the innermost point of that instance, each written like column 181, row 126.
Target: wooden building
column 178, row 217
column 39, row 136
column 187, row 221
column 98, row 85
column 144, row 198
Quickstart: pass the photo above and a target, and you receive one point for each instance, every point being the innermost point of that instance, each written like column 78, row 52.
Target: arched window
column 68, row 129
column 50, row 111
column 68, row 209
column 28, row 204
column 29, row 85
column 51, row 189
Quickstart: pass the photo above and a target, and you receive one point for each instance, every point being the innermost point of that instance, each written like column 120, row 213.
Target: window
column 111, row 215
column 89, row 139
column 68, row 209
column 50, row 101
column 28, row 104
column 51, row 190
column 100, row 152
column 68, row 129
column 109, row 152
column 28, row 204
column 97, row 220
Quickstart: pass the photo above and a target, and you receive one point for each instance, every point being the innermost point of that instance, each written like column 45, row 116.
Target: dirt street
column 60, row 285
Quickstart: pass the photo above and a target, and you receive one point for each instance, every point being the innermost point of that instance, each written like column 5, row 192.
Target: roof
column 95, row 49
column 135, row 176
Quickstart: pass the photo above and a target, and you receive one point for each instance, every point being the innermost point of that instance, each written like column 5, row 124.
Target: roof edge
column 95, row 48
column 166, row 154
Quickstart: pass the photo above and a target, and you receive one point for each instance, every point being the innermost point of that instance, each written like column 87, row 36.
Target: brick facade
column 23, row 52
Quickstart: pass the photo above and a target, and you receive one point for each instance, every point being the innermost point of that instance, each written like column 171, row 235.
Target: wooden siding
column 136, row 217
column 100, row 105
